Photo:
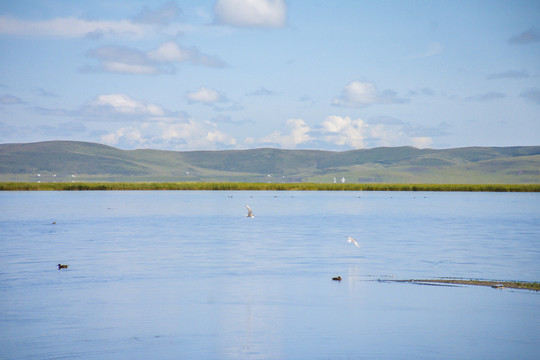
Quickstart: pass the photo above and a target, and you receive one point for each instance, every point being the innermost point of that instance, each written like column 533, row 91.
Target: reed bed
column 231, row 186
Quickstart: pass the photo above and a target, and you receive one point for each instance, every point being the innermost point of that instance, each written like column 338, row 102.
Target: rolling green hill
column 82, row 161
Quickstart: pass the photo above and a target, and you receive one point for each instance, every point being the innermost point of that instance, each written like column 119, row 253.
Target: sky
column 295, row 74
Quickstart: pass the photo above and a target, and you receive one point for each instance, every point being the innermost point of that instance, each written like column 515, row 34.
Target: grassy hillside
column 67, row 157
column 80, row 161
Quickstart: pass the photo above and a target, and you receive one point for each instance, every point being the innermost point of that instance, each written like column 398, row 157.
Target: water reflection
column 251, row 323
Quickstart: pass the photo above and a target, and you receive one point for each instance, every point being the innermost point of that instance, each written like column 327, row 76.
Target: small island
column 525, row 285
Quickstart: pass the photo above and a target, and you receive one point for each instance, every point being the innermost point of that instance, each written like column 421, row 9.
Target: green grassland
column 66, row 161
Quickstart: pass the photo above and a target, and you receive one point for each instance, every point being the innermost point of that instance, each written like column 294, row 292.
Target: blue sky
column 239, row 74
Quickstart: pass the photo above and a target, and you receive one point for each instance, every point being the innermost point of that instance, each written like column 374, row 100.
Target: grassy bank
column 495, row 284
column 27, row 186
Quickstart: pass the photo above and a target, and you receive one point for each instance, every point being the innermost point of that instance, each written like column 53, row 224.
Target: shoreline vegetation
column 233, row 186
column 494, row 284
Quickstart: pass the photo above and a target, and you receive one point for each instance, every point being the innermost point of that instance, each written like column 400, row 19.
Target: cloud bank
column 151, row 125
column 121, row 120
column 342, row 132
column 187, row 134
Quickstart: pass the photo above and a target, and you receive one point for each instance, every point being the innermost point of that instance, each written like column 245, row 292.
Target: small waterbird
column 351, row 240
column 61, row 266
column 250, row 213
column 337, row 278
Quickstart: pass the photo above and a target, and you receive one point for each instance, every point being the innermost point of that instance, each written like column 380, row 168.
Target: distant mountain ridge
column 83, row 161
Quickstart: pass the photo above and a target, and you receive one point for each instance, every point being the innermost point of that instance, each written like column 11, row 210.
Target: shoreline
column 237, row 186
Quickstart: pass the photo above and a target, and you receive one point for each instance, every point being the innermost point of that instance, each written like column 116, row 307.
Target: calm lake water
column 186, row 275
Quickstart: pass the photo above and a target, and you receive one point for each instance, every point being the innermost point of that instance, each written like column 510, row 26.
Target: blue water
column 186, row 275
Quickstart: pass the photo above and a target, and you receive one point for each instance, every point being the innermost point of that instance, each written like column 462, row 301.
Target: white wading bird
column 351, row 240
column 250, row 213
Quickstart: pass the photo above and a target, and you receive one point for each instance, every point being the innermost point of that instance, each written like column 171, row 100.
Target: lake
column 186, row 275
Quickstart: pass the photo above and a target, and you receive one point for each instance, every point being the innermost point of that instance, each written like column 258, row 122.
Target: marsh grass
column 231, row 186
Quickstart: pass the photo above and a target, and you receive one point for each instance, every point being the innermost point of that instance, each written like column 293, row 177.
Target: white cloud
column 120, row 67
column 115, row 107
column 382, row 132
column 344, row 131
column 359, row 94
column 162, row 21
column 121, row 59
column 299, row 134
column 357, row 134
column 218, row 137
column 205, row 96
column 300, row 131
column 251, row 13
column 130, row 136
column 182, row 135
column 73, row 27
column 170, row 52
column 188, row 130
column 70, row 27
column 387, row 134
column 160, row 16
column 124, row 105
column 194, row 135
column 422, row 142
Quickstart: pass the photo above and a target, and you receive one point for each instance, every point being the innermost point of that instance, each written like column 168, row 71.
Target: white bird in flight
column 351, row 240
column 250, row 213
